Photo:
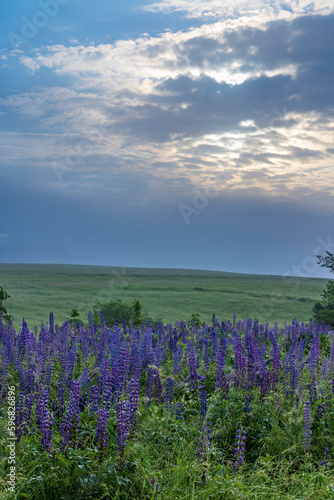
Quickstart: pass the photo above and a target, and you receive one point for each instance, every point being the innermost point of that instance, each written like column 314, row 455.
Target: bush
column 114, row 311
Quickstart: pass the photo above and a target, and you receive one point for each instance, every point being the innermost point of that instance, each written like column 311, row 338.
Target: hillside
column 168, row 294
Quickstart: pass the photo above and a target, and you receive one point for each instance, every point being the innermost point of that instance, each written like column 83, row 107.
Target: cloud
column 231, row 8
column 241, row 96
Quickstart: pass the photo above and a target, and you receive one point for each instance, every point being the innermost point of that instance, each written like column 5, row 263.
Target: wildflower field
column 231, row 409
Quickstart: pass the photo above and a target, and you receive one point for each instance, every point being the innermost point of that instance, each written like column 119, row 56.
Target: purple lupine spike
column 278, row 402
column 102, row 433
column 203, row 446
column 192, row 369
column 169, row 396
column 206, row 355
column 276, row 366
column 324, row 368
column 51, row 323
column 313, row 393
column 45, row 420
column 239, row 451
column 71, row 361
column 125, row 366
column 93, row 400
column 109, row 388
column 69, row 427
column 214, row 345
column 123, row 427
column 248, row 407
column 134, row 401
column 240, row 363
column 179, row 410
column 265, row 384
column 326, row 455
column 46, row 429
column 158, row 385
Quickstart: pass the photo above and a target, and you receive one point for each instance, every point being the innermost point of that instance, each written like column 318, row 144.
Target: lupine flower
column 46, row 429
column 240, row 364
column 169, row 396
column 239, row 450
column 307, row 424
column 203, row 446
column 123, row 425
column 45, row 420
column 102, row 434
column 323, row 461
column 313, row 392
column 134, row 399
column 155, row 484
column 206, row 355
column 318, row 415
column 192, row 369
column 69, row 427
column 278, row 402
column 248, row 407
column 179, row 409
column 324, row 368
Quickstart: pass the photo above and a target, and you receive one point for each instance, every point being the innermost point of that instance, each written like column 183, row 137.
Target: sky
column 171, row 134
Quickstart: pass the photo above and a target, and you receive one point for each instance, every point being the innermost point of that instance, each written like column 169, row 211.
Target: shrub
column 114, row 311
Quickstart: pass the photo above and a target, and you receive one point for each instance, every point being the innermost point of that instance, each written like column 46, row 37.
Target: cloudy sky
column 188, row 134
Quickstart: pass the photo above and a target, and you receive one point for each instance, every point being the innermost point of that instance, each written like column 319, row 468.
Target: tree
column 324, row 311
column 74, row 314
column 3, row 311
column 326, row 261
column 137, row 317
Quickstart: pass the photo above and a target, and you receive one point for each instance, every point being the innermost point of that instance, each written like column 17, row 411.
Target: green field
column 168, row 294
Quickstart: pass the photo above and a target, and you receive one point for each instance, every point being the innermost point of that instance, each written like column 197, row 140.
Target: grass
column 168, row 294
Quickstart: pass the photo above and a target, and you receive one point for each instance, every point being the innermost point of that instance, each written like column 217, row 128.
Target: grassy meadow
column 168, row 294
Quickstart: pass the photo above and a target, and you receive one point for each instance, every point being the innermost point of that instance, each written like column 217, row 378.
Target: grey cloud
column 306, row 42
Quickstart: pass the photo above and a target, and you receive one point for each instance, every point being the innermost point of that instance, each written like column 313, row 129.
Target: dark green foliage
column 324, row 311
column 113, row 311
column 116, row 310
column 3, row 311
column 326, row 261
column 74, row 314
column 137, row 316
column 195, row 319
